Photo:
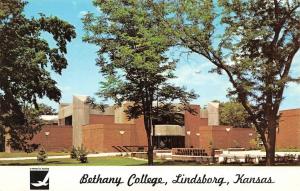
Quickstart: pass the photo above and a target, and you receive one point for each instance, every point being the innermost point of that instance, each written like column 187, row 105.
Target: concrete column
column 80, row 117
column 213, row 113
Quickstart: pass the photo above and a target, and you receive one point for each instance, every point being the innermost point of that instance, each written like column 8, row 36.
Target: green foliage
column 252, row 42
column 254, row 144
column 25, row 60
column 42, row 155
column 234, row 114
column 82, row 154
column 132, row 57
column 74, row 153
column 44, row 109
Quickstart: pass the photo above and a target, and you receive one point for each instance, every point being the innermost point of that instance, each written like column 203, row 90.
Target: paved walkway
column 66, row 156
column 256, row 154
column 253, row 153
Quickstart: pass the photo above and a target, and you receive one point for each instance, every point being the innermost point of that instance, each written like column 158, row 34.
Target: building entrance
column 168, row 142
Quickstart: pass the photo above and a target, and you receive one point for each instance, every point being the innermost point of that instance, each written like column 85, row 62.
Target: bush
column 74, row 153
column 82, row 154
column 42, row 155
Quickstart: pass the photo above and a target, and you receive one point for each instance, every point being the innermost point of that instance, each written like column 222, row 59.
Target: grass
column 33, row 154
column 117, row 161
column 92, row 161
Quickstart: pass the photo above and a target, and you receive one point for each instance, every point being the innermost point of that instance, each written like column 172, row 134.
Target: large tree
column 132, row 57
column 252, row 42
column 44, row 109
column 233, row 113
column 26, row 60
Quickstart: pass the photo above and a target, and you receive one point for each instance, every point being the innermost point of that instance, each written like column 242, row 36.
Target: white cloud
column 82, row 13
column 209, row 86
column 65, row 88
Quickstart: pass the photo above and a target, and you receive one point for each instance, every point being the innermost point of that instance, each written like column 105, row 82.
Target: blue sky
column 82, row 77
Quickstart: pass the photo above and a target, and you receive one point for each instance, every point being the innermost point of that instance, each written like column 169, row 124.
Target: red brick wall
column 60, row 138
column 102, row 137
column 205, row 137
column 92, row 137
column 139, row 135
column 192, row 122
column 217, row 137
column 101, row 119
column 288, row 134
column 113, row 137
column 234, row 138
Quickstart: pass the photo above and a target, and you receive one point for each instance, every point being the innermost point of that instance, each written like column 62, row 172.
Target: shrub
column 82, row 154
column 74, row 153
column 42, row 155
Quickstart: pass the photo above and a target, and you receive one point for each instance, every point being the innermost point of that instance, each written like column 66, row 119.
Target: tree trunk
column 2, row 142
column 147, row 123
column 271, row 141
column 270, row 146
column 270, row 155
column 150, row 148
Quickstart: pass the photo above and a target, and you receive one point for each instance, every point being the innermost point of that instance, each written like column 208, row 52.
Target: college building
column 78, row 123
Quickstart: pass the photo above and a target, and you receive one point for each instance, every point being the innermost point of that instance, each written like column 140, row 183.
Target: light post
column 47, row 133
column 198, row 135
column 188, row 138
column 228, row 130
column 122, row 133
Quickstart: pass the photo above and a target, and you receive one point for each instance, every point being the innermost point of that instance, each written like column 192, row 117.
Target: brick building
column 109, row 131
column 288, row 133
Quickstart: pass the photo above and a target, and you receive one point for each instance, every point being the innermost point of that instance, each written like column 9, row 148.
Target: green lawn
column 116, row 161
column 93, row 161
column 33, row 154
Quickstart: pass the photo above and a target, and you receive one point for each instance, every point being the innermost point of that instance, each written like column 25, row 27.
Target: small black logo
column 39, row 179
